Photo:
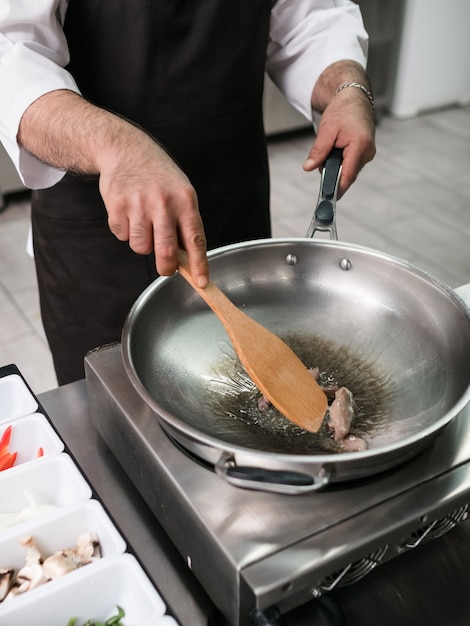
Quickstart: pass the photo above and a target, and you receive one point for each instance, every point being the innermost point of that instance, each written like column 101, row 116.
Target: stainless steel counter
column 424, row 586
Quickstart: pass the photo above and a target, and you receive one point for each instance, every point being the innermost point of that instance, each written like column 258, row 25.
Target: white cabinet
column 434, row 60
column 382, row 19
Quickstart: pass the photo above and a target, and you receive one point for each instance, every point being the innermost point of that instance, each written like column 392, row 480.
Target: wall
column 434, row 61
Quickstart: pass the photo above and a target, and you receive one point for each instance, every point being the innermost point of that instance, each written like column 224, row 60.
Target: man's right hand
column 150, row 201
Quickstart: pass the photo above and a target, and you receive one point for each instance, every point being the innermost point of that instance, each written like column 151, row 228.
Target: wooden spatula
column 277, row 372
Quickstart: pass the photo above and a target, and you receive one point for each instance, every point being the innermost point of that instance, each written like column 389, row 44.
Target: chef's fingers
column 353, row 162
column 170, row 221
column 152, row 204
column 356, row 154
column 194, row 242
column 140, row 229
column 128, row 221
column 319, row 153
column 177, row 222
column 118, row 221
column 347, row 123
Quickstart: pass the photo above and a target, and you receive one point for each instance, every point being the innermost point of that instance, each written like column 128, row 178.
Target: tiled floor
column 413, row 202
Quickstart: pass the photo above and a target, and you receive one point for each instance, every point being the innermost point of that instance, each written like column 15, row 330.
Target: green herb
column 115, row 620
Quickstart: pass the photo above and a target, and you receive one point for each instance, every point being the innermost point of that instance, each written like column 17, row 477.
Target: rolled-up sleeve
column 306, row 36
column 33, row 55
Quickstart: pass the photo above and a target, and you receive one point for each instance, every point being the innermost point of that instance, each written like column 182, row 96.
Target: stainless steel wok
column 395, row 336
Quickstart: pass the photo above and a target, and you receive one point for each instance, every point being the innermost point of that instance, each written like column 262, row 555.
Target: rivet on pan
column 291, row 259
column 345, row 264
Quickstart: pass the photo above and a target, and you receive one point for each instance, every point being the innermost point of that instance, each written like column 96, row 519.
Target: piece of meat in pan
column 341, row 414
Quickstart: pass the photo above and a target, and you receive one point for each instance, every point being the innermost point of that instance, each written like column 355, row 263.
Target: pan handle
column 275, row 481
column 324, row 216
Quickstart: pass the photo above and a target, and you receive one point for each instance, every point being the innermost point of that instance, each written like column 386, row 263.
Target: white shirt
column 34, row 52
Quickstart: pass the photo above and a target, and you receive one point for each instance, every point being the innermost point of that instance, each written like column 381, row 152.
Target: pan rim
column 165, row 417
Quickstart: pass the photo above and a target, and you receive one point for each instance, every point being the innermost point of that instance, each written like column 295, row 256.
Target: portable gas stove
column 257, row 553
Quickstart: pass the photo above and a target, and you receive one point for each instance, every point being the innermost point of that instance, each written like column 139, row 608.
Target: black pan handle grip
column 324, row 215
column 287, row 481
column 330, row 178
column 280, row 477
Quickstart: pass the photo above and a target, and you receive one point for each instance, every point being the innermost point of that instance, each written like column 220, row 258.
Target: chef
column 138, row 125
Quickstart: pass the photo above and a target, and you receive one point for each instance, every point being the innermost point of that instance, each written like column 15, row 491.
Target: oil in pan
column 234, row 401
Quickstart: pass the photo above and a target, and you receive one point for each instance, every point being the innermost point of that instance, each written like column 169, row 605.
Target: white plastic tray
column 16, row 400
column 58, row 531
column 92, row 592
column 53, row 480
column 28, row 435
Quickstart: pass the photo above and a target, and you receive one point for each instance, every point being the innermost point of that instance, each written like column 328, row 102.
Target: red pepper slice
column 5, row 440
column 40, row 452
column 7, row 460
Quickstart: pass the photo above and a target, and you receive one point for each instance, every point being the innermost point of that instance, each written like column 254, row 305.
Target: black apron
column 190, row 73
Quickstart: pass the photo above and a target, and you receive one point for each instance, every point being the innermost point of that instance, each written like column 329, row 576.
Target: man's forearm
column 149, row 200
column 333, row 77
column 64, row 130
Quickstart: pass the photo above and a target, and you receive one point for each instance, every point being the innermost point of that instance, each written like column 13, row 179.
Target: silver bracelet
column 358, row 86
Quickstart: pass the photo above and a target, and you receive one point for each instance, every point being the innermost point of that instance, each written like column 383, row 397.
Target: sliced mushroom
column 37, row 571
column 60, row 563
column 6, row 577
column 64, row 561
column 33, row 554
column 88, row 547
column 31, row 575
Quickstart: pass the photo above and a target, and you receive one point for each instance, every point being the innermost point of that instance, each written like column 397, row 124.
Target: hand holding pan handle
column 324, row 217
